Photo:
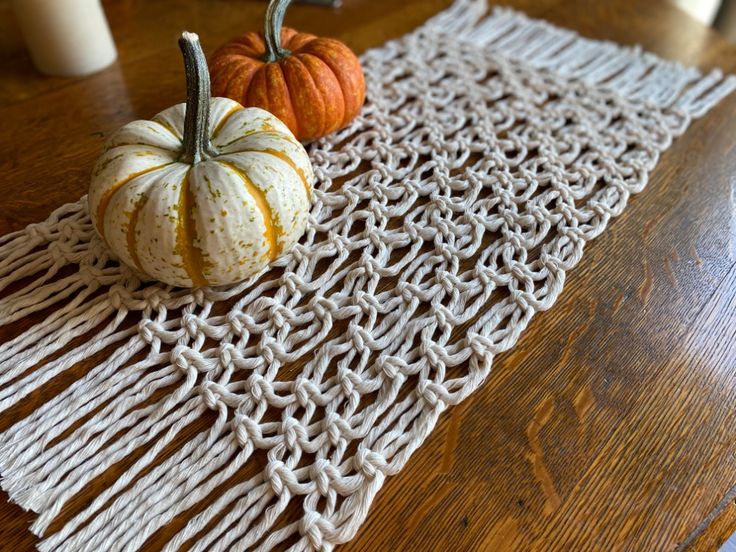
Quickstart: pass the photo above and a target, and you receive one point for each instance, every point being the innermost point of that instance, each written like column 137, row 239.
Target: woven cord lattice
column 491, row 149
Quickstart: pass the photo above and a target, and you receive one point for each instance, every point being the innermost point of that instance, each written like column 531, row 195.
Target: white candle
column 66, row 37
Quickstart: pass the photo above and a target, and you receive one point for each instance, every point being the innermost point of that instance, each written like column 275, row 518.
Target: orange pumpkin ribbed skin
column 316, row 89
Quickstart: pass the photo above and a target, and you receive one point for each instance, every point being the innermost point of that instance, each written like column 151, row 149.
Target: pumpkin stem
column 197, row 146
column 272, row 30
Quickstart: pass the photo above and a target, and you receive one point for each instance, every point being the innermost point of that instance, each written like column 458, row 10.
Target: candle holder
column 66, row 37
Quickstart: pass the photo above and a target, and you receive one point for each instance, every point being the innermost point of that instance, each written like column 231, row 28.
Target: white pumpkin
column 207, row 193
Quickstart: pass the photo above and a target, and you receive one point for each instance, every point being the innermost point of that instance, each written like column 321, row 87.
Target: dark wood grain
column 610, row 425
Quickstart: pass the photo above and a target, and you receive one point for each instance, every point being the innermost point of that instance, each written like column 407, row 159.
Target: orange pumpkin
column 315, row 85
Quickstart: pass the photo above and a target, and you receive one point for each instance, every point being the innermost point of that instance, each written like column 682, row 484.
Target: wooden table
column 611, row 424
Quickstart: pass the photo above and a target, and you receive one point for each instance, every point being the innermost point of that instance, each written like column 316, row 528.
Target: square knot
column 299, row 252
column 294, row 433
column 310, row 527
column 481, row 346
column 150, row 330
column 551, row 263
column 556, row 176
column 576, row 236
column 509, row 217
column 585, row 171
column 292, row 282
column 412, row 230
column 447, row 280
column 228, row 353
column 567, row 210
column 366, row 301
column 431, row 393
column 340, row 243
column 448, row 252
column 60, row 251
column 486, row 276
column 619, row 185
column 476, row 221
column 258, row 387
column 323, row 473
column 354, row 153
column 319, row 159
column 369, row 463
column 240, row 323
column 382, row 149
column 279, row 476
column 68, row 229
column 513, row 242
column 211, row 395
column 391, row 366
column 199, row 295
column 521, row 299
column 348, row 380
column 379, row 195
column 361, row 338
column 279, row 315
column 154, row 297
column 442, row 205
column 304, row 390
column 541, row 215
column 247, row 431
column 182, row 355
column 407, row 188
column 335, row 427
column 119, row 296
column 370, row 266
column 605, row 211
column 39, row 232
column 434, row 353
column 321, row 307
column 406, row 291
column 90, row 276
column 377, row 238
column 443, row 316
column 191, row 324
column 270, row 349
column 521, row 272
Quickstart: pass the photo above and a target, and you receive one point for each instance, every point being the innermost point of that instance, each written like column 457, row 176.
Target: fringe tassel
column 111, row 412
column 192, row 410
column 627, row 71
column 149, row 503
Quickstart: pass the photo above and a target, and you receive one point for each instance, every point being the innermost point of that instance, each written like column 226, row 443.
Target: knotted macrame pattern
column 491, row 149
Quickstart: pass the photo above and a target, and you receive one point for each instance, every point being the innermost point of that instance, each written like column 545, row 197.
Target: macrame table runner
column 491, row 149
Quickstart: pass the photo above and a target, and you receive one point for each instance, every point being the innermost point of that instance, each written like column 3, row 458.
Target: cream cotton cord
column 491, row 149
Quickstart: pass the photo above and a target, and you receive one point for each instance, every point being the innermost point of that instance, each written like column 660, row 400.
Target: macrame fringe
column 627, row 71
column 112, row 411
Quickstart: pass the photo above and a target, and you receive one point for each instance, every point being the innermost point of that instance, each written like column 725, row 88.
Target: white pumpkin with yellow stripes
column 206, row 193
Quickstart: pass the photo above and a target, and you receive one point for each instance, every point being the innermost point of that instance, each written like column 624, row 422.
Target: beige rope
column 491, row 149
